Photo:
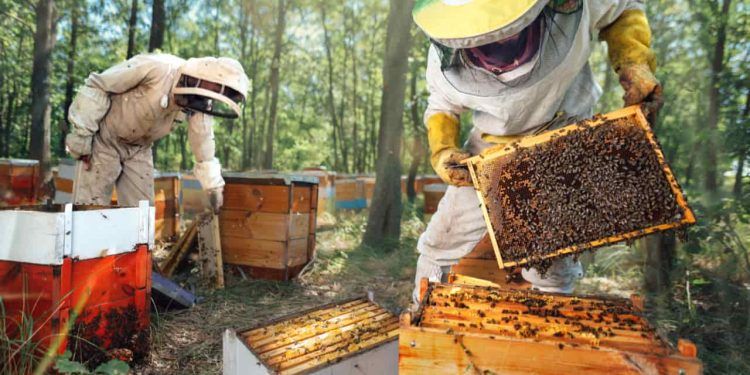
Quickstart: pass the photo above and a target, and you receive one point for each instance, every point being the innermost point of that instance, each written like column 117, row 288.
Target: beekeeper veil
column 214, row 86
column 486, row 45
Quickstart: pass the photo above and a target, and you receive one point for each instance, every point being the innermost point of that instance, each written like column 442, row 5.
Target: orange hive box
column 167, row 203
column 18, row 181
column 351, row 337
column 350, row 194
column 62, row 262
column 326, row 190
column 433, row 193
column 586, row 185
column 368, row 185
column 485, row 330
column 268, row 223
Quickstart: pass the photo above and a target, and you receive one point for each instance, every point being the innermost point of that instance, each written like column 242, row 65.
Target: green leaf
column 65, row 366
column 113, row 367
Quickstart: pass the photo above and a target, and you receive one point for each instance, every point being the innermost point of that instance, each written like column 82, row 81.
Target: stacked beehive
column 268, row 223
column 494, row 331
column 368, row 187
column 326, row 191
column 59, row 263
column 355, row 336
column 350, row 194
column 18, row 181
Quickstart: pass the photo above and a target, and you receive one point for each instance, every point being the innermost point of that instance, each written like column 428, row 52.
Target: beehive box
column 433, row 193
column 18, row 181
column 59, row 262
column 193, row 200
column 326, row 190
column 350, row 194
column 351, row 337
column 268, row 223
column 484, row 330
column 479, row 267
column 167, row 204
column 368, row 186
column 586, row 185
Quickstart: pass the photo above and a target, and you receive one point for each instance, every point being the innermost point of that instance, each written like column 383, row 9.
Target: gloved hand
column 216, row 199
column 78, row 146
column 447, row 165
column 641, row 87
column 442, row 134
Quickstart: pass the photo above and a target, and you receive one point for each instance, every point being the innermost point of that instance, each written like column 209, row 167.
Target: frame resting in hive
column 478, row 330
column 584, row 186
column 354, row 336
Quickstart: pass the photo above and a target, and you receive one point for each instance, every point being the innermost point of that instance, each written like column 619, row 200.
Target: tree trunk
column 158, row 24
column 710, row 179
column 44, row 42
column 274, row 82
column 740, row 172
column 331, row 99
column 384, row 220
column 132, row 28
column 70, row 72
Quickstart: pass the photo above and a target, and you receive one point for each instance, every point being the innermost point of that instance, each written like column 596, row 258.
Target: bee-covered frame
column 634, row 112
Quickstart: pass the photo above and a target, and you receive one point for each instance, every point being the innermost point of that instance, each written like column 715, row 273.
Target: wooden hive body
column 350, row 194
column 193, row 200
column 94, row 263
column 18, row 181
column 268, row 223
column 351, row 337
column 482, row 330
column 558, row 236
column 433, row 193
column 368, row 186
column 167, row 203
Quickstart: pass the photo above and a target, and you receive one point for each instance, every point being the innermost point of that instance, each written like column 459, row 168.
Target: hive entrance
column 587, row 185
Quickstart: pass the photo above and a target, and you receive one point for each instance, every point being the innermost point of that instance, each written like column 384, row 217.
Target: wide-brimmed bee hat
column 473, row 23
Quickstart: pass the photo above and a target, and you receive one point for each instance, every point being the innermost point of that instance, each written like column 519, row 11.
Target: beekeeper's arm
column 625, row 28
column 207, row 168
column 92, row 100
column 442, row 119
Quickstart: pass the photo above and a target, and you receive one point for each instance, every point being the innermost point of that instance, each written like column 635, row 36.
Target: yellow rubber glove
column 629, row 42
column 442, row 134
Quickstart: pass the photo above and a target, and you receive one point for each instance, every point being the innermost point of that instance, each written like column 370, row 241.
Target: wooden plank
column 209, row 250
column 263, row 225
column 297, row 252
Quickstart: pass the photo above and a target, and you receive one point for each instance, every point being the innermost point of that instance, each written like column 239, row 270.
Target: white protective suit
column 118, row 114
column 559, row 79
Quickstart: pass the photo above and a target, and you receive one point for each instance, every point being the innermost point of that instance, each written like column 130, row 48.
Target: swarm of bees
column 586, row 185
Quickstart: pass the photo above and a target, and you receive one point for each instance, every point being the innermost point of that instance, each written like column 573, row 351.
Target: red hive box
column 18, row 180
column 82, row 275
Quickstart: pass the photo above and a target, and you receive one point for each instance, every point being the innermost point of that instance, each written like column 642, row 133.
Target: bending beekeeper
column 119, row 113
column 520, row 67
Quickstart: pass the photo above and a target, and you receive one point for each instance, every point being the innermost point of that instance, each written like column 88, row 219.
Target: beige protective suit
column 119, row 113
column 558, row 79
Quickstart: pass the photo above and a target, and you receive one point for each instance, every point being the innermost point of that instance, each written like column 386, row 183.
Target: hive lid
column 270, row 178
column 319, row 337
column 518, row 206
column 47, row 235
column 19, row 162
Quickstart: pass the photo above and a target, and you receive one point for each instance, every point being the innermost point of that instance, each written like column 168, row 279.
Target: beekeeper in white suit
column 119, row 113
column 520, row 66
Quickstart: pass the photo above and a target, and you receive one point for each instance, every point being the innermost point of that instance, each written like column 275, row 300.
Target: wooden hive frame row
column 490, row 330
column 633, row 112
column 355, row 333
